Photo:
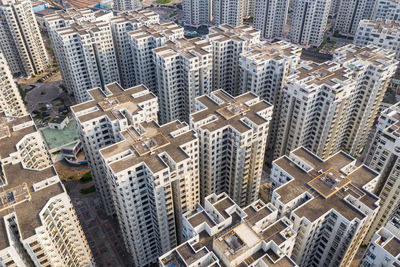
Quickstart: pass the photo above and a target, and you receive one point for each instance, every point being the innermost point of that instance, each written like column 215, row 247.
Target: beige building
column 329, row 106
column 223, row 234
column 184, row 72
column 38, row 223
column 197, row 12
column 372, row 71
column 142, row 42
column 121, row 26
column 350, row 13
column 232, row 136
column 313, row 113
column 127, row 5
column 228, row 43
column 153, row 174
column 84, row 49
column 228, row 12
column 20, row 41
column 100, row 121
column 387, row 10
column 270, row 17
column 380, row 33
column 264, row 68
column 330, row 203
column 11, row 102
column 383, row 156
column 309, row 21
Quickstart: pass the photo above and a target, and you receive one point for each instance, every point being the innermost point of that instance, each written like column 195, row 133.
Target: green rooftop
column 57, row 139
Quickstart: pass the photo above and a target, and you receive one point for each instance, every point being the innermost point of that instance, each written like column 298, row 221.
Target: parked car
column 46, row 114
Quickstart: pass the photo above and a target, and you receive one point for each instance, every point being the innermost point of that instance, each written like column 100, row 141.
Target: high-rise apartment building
column 335, row 4
column 100, row 121
column 184, row 72
column 270, row 17
column 381, row 33
column 11, row 102
column 308, row 22
column 223, row 234
column 351, row 12
column 372, row 70
column 228, row 43
column 384, row 157
column 142, row 43
column 154, row 179
column 197, row 12
column 329, row 202
column 329, row 106
column 387, row 10
column 85, row 54
column 39, row 226
column 248, row 10
column 384, row 247
column 263, row 70
column 232, row 136
column 127, row 5
column 20, row 40
column 314, row 104
column 228, row 12
column 121, row 26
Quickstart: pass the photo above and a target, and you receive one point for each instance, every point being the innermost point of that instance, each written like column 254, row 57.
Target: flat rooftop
column 57, row 138
column 17, row 193
column 263, row 52
column 111, row 102
column 237, row 238
column 222, row 110
column 146, row 146
column 327, row 183
column 224, row 32
column 188, row 48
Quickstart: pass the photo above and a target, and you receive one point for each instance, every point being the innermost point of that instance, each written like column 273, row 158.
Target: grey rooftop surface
column 111, row 102
column 328, row 192
column 237, row 238
column 145, row 148
column 56, row 138
column 16, row 190
column 222, row 110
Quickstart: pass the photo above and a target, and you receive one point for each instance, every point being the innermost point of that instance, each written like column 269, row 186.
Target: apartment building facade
column 127, row 5
column 223, row 234
column 184, row 72
column 380, row 33
column 228, row 12
column 270, row 17
column 372, row 70
column 121, row 26
column 38, row 223
column 232, row 136
column 351, row 12
column 387, row 10
column 100, row 121
column 384, row 247
column 330, row 203
column 384, row 157
column 86, row 56
column 154, row 179
column 264, row 68
column 228, row 43
column 21, row 42
column 197, row 12
column 308, row 23
column 10, row 100
column 142, row 42
column 314, row 105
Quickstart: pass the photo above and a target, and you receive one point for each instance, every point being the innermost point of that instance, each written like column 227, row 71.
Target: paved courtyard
column 102, row 232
